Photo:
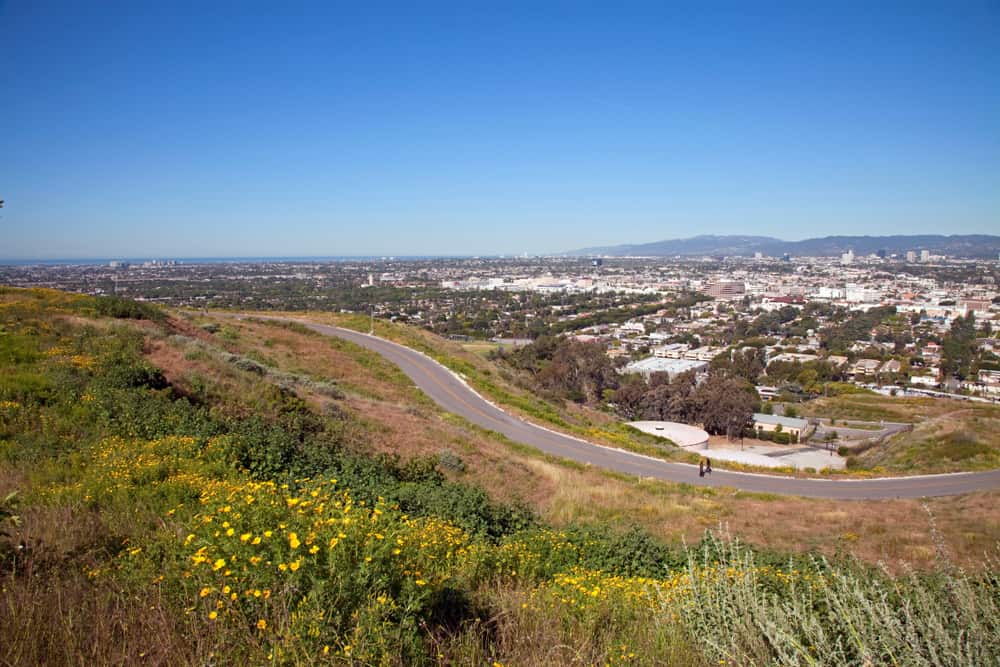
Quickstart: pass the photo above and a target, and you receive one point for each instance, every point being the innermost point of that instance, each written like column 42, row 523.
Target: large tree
column 726, row 404
column 579, row 371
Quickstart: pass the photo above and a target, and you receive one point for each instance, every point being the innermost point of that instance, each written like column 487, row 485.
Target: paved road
column 455, row 396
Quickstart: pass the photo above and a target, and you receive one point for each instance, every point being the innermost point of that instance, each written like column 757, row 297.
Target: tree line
column 723, row 402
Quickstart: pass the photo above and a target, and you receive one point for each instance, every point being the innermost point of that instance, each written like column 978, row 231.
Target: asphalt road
column 452, row 394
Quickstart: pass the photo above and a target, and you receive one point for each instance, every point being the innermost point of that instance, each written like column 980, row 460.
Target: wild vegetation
column 948, row 435
column 167, row 525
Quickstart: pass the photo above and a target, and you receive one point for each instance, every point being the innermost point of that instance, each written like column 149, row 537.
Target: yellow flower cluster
column 116, row 465
column 584, row 589
column 251, row 538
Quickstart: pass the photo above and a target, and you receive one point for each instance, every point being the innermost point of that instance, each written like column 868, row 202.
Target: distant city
column 791, row 308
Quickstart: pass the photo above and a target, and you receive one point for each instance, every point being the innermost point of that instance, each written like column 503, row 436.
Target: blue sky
column 174, row 129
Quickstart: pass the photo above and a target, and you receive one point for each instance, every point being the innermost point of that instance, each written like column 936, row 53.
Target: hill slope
column 219, row 506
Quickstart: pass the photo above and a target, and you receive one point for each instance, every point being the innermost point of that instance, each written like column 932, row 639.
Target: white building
column 672, row 367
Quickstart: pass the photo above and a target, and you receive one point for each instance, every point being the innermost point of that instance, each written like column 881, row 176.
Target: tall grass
column 841, row 616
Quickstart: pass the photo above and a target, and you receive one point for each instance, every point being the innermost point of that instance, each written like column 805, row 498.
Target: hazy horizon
column 457, row 130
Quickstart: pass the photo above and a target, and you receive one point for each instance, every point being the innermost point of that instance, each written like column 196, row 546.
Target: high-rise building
column 911, row 256
column 847, row 258
column 726, row 289
column 881, row 253
column 925, row 255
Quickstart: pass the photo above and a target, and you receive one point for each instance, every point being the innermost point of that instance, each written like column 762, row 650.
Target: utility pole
column 371, row 328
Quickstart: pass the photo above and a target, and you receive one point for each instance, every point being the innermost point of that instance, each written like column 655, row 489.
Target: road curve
column 455, row 396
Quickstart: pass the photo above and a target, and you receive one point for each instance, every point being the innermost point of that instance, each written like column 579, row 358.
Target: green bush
column 121, row 308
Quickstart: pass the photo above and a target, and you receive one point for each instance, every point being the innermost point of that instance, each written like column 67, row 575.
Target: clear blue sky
column 176, row 129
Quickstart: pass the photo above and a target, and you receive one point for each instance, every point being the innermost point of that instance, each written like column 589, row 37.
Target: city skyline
column 450, row 130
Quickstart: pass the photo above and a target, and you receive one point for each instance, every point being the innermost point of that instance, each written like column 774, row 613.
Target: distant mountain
column 969, row 245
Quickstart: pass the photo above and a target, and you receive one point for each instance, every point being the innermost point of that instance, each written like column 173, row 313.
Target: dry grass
column 895, row 532
column 954, row 441
column 57, row 615
column 948, row 435
column 874, row 407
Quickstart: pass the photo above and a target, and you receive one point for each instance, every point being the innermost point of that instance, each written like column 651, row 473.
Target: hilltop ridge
column 958, row 245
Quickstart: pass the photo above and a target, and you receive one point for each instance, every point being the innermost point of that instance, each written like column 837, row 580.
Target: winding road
column 454, row 395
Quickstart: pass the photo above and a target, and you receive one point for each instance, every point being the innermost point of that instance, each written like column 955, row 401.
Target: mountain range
column 967, row 245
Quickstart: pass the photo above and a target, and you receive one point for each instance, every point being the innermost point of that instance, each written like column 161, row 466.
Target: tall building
column 726, row 289
column 882, row 253
column 925, row 255
column 847, row 258
column 911, row 256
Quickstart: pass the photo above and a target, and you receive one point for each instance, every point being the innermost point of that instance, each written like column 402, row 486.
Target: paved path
column 455, row 396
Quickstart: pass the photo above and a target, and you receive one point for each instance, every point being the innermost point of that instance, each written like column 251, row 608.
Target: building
column 837, row 360
column 866, row 366
column 797, row 428
column 830, row 293
column 793, row 356
column 925, row 255
column 767, row 393
column 861, row 294
column 847, row 258
column 979, row 307
column 671, row 351
column 705, row 353
column 911, row 256
column 891, row 366
column 726, row 289
column 672, row 367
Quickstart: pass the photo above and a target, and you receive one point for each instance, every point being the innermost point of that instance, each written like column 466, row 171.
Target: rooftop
column 792, row 422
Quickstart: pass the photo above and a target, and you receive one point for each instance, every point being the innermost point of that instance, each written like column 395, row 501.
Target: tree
column 628, row 399
column 746, row 363
column 726, row 405
column 958, row 347
column 579, row 371
column 668, row 400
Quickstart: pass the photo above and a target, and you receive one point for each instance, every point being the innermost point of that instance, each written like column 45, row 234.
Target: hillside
column 947, row 435
column 969, row 245
column 192, row 489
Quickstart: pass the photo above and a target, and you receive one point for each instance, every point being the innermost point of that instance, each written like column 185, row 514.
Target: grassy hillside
column 385, row 419
column 948, row 435
column 225, row 504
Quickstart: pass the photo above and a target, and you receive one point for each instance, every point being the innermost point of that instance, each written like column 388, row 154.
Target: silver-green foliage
column 842, row 616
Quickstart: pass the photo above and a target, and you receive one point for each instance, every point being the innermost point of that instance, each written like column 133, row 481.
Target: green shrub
column 121, row 308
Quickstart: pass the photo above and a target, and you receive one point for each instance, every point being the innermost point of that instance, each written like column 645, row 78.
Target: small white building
column 770, row 423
